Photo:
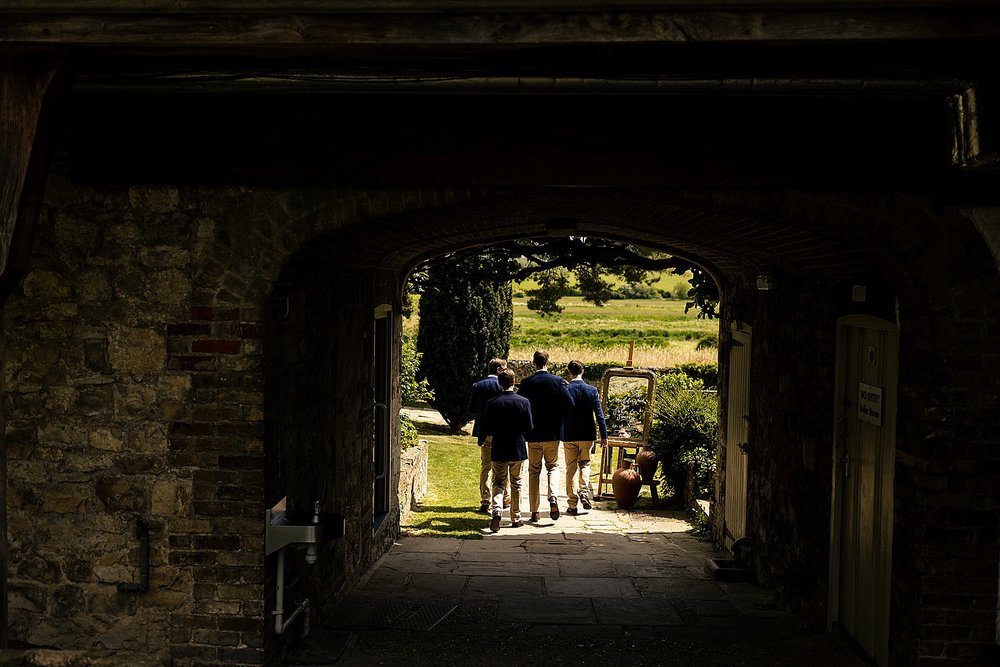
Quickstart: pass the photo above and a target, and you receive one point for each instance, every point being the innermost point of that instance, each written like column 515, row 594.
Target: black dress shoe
column 485, row 508
column 534, row 517
column 516, row 524
column 495, row 524
column 572, row 511
column 554, row 511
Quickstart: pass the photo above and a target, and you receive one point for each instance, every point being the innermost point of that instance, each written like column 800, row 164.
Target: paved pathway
column 605, row 588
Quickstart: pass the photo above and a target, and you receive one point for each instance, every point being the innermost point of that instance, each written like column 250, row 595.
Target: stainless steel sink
column 284, row 528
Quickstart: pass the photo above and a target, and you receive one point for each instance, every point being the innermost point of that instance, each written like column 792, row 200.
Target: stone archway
column 155, row 301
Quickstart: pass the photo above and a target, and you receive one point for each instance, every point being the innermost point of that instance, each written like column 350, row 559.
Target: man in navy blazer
column 506, row 419
column 482, row 392
column 579, row 435
column 549, row 404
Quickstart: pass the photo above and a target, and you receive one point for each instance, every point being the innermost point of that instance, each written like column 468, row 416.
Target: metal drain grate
column 405, row 614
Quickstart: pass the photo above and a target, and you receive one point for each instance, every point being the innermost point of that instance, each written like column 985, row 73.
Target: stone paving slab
column 504, row 587
column 589, row 587
column 436, row 585
column 588, row 567
column 682, row 588
column 505, row 569
column 387, row 580
column 562, row 611
column 446, row 545
column 633, row 612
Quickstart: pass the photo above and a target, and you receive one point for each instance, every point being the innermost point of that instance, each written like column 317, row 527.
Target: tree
column 464, row 322
column 590, row 260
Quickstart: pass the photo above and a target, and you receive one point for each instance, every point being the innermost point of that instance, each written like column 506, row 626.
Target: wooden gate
column 737, row 438
column 864, row 459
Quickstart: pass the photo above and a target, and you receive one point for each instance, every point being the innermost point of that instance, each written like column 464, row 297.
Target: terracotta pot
column 646, row 461
column 626, row 484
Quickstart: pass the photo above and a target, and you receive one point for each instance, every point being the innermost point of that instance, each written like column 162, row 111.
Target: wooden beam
column 462, row 6
column 27, row 80
column 26, row 84
column 316, row 31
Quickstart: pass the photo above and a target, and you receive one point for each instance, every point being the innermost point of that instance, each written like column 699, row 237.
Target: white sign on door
column 870, row 404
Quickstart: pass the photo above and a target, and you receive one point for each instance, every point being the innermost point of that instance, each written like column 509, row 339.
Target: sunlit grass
column 450, row 507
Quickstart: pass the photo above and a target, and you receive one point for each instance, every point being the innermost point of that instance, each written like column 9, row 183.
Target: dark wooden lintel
column 295, row 30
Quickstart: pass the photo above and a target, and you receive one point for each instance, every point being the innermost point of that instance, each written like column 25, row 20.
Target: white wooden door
column 864, row 460
column 737, row 438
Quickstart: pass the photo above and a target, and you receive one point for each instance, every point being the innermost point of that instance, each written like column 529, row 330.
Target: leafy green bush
column 709, row 342
column 408, row 434
column 708, row 373
column 413, row 390
column 683, row 436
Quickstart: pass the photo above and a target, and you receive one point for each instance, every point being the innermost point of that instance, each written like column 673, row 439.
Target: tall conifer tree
column 464, row 322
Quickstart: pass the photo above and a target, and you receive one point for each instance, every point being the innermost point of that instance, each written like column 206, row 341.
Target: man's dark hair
column 541, row 358
column 496, row 365
column 575, row 367
column 506, row 378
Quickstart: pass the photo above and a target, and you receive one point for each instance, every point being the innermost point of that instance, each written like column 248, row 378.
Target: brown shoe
column 516, row 524
column 554, row 510
column 495, row 524
column 534, row 517
column 572, row 511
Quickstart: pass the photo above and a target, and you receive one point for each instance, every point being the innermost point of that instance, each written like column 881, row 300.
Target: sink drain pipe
column 142, row 533
column 280, row 622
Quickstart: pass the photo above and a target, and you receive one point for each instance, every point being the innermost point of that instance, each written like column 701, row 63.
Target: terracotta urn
column 646, row 461
column 626, row 484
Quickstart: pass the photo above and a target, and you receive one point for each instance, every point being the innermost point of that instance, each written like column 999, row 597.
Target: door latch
column 846, row 462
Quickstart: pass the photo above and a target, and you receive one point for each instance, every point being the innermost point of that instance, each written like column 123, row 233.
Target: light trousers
column 577, row 453
column 486, row 465
column 537, row 452
column 504, row 473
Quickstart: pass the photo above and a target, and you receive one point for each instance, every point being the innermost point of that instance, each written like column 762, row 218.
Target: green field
column 663, row 334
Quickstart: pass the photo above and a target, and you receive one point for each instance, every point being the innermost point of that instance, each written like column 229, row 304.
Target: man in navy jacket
column 550, row 402
column 579, row 435
column 483, row 391
column 506, row 419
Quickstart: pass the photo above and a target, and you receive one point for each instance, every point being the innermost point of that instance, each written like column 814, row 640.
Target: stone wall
column 412, row 478
column 136, row 389
column 190, row 355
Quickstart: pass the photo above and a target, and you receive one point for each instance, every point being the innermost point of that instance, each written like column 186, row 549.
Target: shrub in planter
column 683, row 436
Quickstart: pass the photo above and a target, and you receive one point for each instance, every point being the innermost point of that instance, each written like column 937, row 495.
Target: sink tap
column 312, row 553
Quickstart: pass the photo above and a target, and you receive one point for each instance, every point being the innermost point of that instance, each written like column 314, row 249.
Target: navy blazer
column 482, row 392
column 507, row 418
column 579, row 423
column 550, row 402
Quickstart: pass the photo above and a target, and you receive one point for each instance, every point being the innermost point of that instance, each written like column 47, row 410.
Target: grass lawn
column 450, row 507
